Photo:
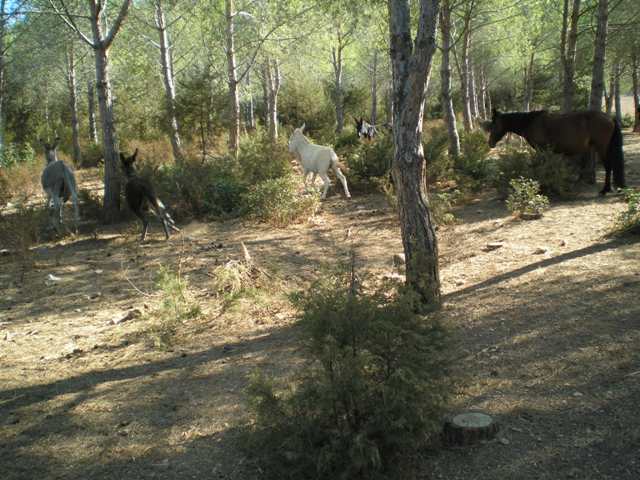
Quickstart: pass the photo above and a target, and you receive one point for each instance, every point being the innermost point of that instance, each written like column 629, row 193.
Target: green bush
column 261, row 160
column 279, row 202
column 627, row 121
column 13, row 154
column 629, row 220
column 554, row 174
column 368, row 161
column 175, row 307
column 473, row 160
column 213, row 188
column 436, row 154
column 371, row 394
column 525, row 199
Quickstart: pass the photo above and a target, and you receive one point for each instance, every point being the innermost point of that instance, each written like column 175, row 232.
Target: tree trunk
column 272, row 81
column 411, row 70
column 234, row 95
column 73, row 105
column 169, row 85
column 3, row 51
column 483, row 95
column 528, row 83
column 374, row 88
column 107, row 119
column 336, row 61
column 265, row 92
column 473, row 92
column 609, row 93
column 568, row 42
column 597, row 76
column 445, row 80
column 616, row 93
column 635, row 65
column 251, row 117
column 467, row 115
column 91, row 105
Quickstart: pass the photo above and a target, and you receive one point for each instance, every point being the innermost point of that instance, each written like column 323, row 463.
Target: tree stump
column 469, row 428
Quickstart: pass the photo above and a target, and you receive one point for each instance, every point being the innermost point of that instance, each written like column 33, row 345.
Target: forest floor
column 548, row 327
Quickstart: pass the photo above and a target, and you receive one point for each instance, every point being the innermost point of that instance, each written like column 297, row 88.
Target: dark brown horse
column 572, row 133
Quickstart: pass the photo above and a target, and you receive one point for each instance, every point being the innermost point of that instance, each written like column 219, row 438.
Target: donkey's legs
column 57, row 213
column 327, row 184
column 313, row 179
column 343, row 180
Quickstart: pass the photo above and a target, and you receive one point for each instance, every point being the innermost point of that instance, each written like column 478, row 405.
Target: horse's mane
column 518, row 121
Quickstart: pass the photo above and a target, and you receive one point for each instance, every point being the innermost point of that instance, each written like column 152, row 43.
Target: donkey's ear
column 302, row 127
column 135, row 154
column 486, row 126
column 355, row 119
column 55, row 143
column 495, row 113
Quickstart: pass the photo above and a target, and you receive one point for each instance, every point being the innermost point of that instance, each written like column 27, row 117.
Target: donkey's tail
column 162, row 213
column 615, row 156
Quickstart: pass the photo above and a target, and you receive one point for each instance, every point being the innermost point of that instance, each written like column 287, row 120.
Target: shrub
column 279, row 202
column 525, row 199
column 175, row 307
column 552, row 171
column 627, row 121
column 20, row 229
column 14, row 154
column 212, row 188
column 368, row 161
column 261, row 160
column 629, row 220
column 473, row 160
column 436, row 155
column 371, row 393
column 441, row 204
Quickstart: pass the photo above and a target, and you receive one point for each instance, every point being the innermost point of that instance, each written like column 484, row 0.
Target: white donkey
column 316, row 159
column 59, row 183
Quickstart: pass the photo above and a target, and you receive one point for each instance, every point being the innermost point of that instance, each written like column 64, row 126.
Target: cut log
column 469, row 428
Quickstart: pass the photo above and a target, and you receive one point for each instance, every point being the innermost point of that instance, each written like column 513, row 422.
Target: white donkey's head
column 295, row 138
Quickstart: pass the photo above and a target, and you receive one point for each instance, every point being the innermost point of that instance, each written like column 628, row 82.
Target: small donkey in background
column 59, row 183
column 138, row 191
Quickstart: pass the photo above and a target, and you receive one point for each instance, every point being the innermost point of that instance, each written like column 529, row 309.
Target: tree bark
column 91, row 104
column 609, row 93
column 473, row 91
column 597, row 76
column 336, row 62
column 483, row 95
column 635, row 65
column 528, row 83
column 272, row 81
column 374, row 88
column 411, row 69
column 3, row 33
column 73, row 105
column 445, row 80
column 568, row 42
column 169, row 85
column 234, row 95
column 616, row 93
column 465, row 83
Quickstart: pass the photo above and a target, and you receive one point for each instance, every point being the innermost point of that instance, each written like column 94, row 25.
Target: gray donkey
column 59, row 183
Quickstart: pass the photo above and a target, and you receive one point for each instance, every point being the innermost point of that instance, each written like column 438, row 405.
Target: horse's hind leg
column 607, row 176
column 327, row 184
column 343, row 180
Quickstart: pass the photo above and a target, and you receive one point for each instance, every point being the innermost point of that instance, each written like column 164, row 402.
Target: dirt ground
column 548, row 327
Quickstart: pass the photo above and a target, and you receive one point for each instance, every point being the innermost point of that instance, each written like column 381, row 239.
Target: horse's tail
column 160, row 209
column 615, row 156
